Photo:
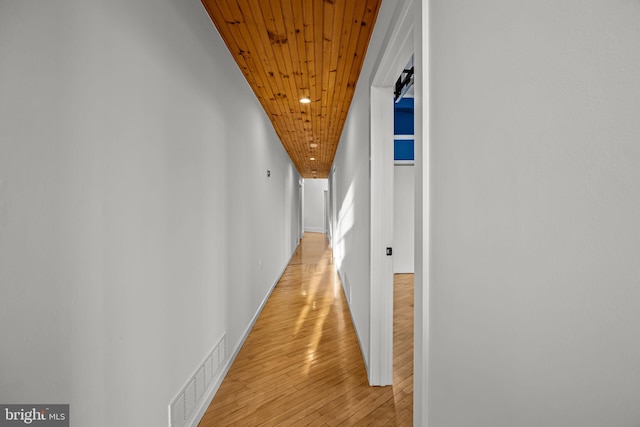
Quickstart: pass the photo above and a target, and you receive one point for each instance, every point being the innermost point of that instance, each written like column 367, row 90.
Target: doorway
column 392, row 63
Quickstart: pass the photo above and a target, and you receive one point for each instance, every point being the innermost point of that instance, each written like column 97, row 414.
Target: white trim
column 381, row 336
column 198, row 413
column 403, row 137
column 313, row 230
column 353, row 323
column 399, row 48
column 396, row 53
column 404, row 162
column 422, row 217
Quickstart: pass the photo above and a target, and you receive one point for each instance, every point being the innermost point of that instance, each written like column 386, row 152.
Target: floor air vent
column 194, row 391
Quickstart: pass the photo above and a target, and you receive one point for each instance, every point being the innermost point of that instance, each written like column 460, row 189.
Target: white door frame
column 326, row 218
column 301, row 209
column 398, row 50
column 421, row 347
column 381, row 354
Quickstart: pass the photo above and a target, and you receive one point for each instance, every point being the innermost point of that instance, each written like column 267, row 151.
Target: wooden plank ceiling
column 292, row 49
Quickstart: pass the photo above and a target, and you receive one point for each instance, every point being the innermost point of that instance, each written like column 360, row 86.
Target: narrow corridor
column 301, row 364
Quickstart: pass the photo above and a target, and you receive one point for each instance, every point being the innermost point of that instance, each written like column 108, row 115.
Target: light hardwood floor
column 301, row 364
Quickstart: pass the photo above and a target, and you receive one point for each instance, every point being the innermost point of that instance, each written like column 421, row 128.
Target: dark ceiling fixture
column 404, row 82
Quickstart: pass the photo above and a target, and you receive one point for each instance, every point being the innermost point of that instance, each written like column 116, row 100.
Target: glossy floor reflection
column 301, row 364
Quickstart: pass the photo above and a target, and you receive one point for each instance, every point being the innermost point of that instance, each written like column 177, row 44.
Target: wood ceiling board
column 288, row 49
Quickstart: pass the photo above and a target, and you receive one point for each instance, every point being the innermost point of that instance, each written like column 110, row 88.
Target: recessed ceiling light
column 305, row 100
column 312, row 158
column 314, row 145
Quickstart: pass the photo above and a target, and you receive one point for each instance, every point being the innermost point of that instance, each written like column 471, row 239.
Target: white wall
column 403, row 218
column 351, row 243
column 535, row 207
column 314, row 204
column 134, row 231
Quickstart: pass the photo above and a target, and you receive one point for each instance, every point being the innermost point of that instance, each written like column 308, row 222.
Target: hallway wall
column 351, row 243
column 137, row 223
column 535, row 207
column 314, row 204
column 403, row 218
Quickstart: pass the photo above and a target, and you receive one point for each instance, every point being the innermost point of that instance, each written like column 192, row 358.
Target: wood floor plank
column 301, row 364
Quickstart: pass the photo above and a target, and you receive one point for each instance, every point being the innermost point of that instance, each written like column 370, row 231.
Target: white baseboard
column 342, row 276
column 198, row 413
column 314, row 229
